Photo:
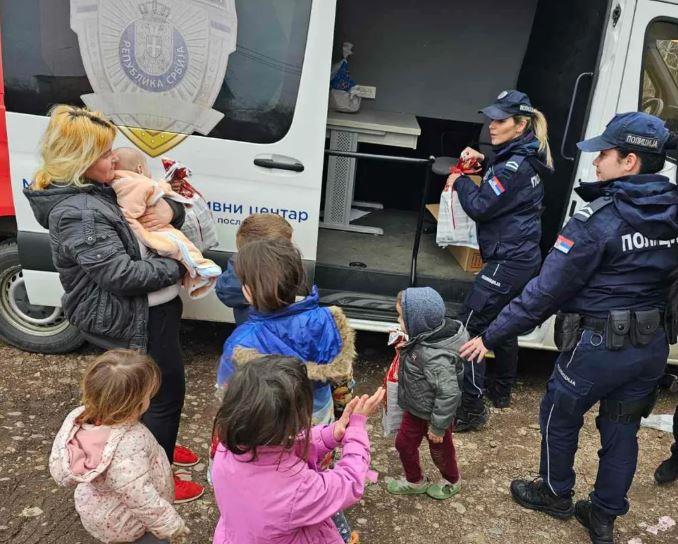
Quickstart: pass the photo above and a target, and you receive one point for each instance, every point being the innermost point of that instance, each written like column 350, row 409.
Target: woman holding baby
column 115, row 295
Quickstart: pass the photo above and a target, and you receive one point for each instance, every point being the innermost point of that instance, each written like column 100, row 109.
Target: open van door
column 235, row 89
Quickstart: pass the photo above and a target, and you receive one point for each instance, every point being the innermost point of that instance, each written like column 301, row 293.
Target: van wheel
column 42, row 329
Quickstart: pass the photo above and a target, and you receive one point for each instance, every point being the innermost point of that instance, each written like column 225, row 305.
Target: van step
column 370, row 307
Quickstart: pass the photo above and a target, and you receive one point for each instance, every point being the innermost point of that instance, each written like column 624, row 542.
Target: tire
column 40, row 329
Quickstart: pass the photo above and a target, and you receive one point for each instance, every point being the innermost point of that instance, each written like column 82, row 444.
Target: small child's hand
column 368, row 405
column 432, row 437
column 340, row 425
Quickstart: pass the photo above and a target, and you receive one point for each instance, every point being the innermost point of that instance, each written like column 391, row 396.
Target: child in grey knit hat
column 429, row 391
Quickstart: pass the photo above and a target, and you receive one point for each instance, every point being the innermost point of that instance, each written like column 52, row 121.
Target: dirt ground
column 36, row 392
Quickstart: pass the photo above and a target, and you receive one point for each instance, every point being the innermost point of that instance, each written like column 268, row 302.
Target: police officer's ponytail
column 537, row 124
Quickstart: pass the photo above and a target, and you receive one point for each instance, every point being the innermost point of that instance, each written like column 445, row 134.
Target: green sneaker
column 403, row 487
column 443, row 490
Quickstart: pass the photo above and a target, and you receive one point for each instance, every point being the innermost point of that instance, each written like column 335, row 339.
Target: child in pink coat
column 123, row 482
column 266, row 476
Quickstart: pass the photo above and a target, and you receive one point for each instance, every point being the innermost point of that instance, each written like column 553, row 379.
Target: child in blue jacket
column 272, row 273
column 258, row 226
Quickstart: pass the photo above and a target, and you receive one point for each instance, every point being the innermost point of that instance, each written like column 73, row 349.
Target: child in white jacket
column 124, row 485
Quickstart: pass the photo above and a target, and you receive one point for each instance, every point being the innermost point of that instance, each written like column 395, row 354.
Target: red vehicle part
column 6, row 201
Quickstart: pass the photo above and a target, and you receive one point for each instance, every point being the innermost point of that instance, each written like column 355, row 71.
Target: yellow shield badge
column 156, row 67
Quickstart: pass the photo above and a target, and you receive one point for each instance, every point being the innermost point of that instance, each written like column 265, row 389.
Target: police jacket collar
column 526, row 145
column 648, row 202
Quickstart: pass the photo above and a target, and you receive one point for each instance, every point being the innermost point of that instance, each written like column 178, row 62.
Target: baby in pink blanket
column 136, row 191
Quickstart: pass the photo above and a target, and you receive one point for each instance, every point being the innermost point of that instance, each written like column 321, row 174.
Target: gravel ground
column 36, row 392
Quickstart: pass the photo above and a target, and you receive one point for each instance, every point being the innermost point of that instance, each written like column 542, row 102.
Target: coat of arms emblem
column 156, row 66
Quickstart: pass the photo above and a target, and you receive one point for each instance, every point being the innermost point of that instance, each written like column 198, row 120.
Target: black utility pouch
column 618, row 327
column 566, row 331
column 644, row 326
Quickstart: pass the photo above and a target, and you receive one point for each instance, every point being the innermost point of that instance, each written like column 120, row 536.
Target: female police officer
column 506, row 208
column 609, row 270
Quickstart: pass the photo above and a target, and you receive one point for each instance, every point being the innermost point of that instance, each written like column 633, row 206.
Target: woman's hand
column 432, row 437
column 157, row 216
column 473, row 350
column 450, row 181
column 470, row 153
column 367, row 405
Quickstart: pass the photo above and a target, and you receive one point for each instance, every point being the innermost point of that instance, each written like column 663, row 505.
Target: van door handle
column 295, row 166
column 569, row 115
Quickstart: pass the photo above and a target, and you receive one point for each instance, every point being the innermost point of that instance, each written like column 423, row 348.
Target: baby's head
column 271, row 272
column 268, row 402
column 118, row 387
column 130, row 158
column 260, row 226
column 420, row 309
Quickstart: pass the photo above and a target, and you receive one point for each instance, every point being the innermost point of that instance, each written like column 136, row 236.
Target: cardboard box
column 468, row 258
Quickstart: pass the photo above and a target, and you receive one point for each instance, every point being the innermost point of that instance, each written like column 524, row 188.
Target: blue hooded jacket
column 615, row 253
column 320, row 337
column 507, row 205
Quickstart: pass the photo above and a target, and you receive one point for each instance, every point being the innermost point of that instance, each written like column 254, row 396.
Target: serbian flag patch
column 563, row 244
column 496, row 185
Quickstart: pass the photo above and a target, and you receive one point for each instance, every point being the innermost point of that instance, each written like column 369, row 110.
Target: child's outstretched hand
column 434, row 437
column 367, row 405
column 340, row 425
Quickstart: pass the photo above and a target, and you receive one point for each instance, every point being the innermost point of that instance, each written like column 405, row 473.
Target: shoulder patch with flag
column 496, row 185
column 564, row 244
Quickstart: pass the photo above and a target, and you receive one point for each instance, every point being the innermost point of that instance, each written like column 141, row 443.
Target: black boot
column 471, row 415
column 667, row 472
column 536, row 495
column 599, row 524
column 499, row 398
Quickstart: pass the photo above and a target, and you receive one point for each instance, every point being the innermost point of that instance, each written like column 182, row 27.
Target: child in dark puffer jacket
column 429, row 391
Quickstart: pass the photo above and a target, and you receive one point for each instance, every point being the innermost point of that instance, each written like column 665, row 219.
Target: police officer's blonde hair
column 537, row 124
column 75, row 138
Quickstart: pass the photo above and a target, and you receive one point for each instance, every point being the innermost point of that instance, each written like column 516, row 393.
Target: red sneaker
column 186, row 490
column 183, row 457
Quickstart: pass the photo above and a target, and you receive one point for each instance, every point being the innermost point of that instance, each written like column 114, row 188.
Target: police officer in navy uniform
column 506, row 208
column 609, row 275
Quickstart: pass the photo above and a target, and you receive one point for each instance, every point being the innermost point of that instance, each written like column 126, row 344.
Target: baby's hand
column 432, row 437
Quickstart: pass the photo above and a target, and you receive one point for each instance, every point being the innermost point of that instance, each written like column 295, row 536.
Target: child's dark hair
column 273, row 272
column 268, row 402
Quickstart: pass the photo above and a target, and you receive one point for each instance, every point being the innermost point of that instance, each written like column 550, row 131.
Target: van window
column 254, row 102
column 659, row 86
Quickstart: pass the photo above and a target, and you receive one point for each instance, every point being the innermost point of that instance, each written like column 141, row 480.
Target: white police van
column 238, row 90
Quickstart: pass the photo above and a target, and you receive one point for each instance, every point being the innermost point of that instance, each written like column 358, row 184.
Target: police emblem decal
column 153, row 54
column 156, row 66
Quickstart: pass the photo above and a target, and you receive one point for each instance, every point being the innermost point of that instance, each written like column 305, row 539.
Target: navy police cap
column 636, row 131
column 508, row 104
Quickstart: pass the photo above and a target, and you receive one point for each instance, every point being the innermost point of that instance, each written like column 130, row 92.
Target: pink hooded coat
column 284, row 500
column 124, row 485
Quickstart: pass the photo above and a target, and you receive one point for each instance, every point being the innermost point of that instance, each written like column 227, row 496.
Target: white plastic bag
column 455, row 227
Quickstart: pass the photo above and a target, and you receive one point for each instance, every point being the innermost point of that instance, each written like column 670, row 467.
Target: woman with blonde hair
column 112, row 295
column 506, row 208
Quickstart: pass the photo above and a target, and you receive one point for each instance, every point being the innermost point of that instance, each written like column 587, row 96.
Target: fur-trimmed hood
column 340, row 368
column 319, row 336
